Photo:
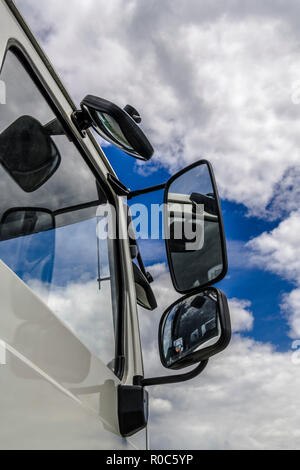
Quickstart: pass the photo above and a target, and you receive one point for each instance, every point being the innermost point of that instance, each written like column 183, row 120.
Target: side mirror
column 28, row 153
column 194, row 328
column 194, row 231
column 191, row 331
column 117, row 126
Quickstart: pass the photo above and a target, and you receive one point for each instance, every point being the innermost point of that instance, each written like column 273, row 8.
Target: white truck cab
column 71, row 369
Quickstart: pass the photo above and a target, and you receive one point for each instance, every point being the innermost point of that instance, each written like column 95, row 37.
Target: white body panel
column 53, row 392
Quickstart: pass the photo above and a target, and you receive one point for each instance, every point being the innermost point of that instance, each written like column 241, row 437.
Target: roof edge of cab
column 20, row 19
column 13, row 8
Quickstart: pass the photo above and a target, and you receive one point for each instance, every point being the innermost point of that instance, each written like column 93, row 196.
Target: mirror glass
column 108, row 127
column 33, row 157
column 190, row 325
column 117, row 126
column 194, row 231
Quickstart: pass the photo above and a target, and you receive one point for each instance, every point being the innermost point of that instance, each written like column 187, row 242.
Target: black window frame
column 14, row 46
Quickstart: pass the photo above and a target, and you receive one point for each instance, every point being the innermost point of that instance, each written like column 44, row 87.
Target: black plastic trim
column 150, row 189
column 170, row 379
column 119, row 188
column 133, row 409
column 143, row 150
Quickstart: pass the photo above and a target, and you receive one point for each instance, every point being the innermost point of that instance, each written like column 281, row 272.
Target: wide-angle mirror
column 28, row 153
column 194, row 328
column 194, row 233
column 117, row 126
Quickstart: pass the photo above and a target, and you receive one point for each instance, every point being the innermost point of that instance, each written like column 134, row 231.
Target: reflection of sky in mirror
column 196, row 180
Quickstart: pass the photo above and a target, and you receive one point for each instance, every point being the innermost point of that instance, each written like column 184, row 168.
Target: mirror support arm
column 150, row 189
column 170, row 379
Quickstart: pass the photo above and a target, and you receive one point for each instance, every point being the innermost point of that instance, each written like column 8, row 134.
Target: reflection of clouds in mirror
column 196, row 180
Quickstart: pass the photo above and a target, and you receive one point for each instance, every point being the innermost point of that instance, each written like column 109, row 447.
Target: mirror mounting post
column 170, row 379
column 81, row 120
column 150, row 189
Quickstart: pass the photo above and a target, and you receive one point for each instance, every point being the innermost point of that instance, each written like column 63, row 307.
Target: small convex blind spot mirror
column 194, row 328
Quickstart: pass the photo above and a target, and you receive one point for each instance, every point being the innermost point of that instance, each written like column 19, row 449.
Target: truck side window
column 48, row 215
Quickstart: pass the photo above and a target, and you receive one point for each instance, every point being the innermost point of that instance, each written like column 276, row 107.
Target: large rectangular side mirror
column 194, row 328
column 194, row 231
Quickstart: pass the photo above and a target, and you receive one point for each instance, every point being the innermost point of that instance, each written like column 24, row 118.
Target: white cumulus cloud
column 241, row 318
column 202, row 77
column 278, row 251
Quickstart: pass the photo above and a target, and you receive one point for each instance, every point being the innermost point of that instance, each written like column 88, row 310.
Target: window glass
column 48, row 206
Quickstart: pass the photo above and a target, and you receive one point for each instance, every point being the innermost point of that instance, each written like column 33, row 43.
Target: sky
column 220, row 80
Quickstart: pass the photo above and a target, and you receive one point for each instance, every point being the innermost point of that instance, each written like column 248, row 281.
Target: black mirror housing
column 28, row 153
column 115, row 125
column 194, row 328
column 191, row 203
